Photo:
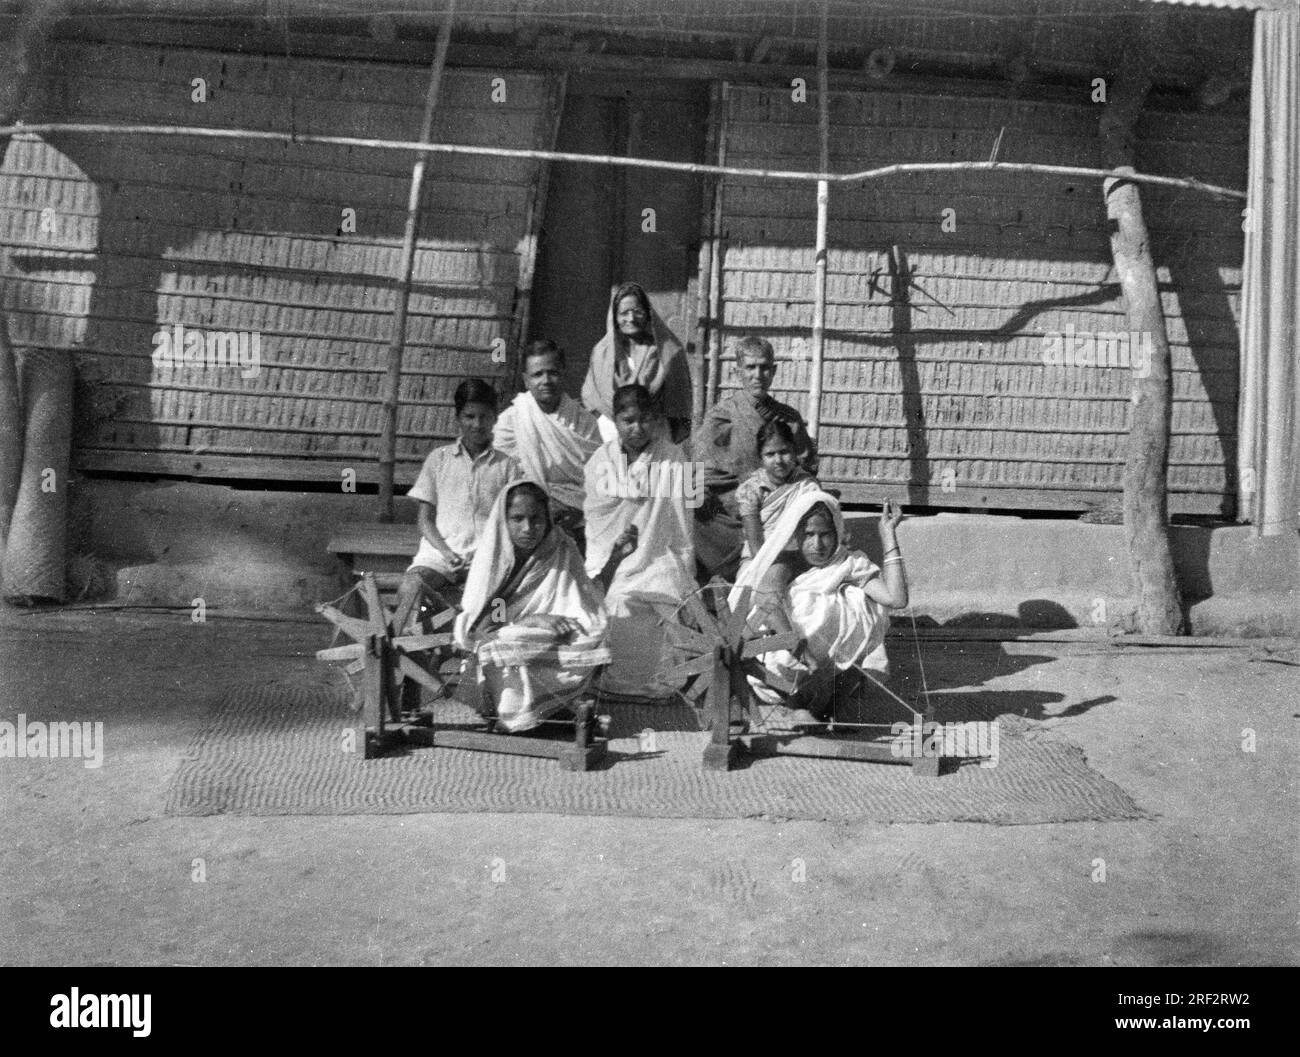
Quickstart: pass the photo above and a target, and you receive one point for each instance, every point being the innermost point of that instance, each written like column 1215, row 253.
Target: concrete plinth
column 988, row 571
column 168, row 543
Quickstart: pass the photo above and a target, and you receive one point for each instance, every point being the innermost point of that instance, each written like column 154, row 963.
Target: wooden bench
column 371, row 547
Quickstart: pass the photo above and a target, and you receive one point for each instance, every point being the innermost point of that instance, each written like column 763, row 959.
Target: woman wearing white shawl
column 639, row 482
column 638, row 349
column 532, row 616
column 835, row 597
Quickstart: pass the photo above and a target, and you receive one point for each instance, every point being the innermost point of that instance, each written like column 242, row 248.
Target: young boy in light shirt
column 457, row 486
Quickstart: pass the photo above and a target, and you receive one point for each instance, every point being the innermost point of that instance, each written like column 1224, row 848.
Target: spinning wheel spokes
column 705, row 622
column 411, row 660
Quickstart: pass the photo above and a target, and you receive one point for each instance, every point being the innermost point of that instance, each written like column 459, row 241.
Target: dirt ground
column 92, row 872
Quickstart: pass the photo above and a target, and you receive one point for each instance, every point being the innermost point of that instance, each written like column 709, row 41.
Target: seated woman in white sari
column 639, row 481
column 533, row 618
column 834, row 597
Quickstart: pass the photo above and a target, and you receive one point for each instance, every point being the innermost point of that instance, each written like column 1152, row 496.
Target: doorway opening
column 597, row 231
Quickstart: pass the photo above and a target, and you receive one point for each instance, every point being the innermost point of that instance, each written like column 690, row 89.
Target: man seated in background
column 550, row 435
column 727, row 443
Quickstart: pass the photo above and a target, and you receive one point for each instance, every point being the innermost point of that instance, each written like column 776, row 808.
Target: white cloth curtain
column 1269, row 441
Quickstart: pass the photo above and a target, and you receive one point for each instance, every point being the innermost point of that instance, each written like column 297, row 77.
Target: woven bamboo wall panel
column 941, row 327
column 108, row 243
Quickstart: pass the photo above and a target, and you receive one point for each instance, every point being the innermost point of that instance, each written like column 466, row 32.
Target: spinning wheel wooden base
column 393, row 669
column 584, row 753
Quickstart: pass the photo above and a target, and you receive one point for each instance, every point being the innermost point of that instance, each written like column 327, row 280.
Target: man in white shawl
column 533, row 618
column 550, row 435
column 834, row 597
column 640, row 482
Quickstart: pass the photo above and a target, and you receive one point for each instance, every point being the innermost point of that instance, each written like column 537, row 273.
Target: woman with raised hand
column 806, row 578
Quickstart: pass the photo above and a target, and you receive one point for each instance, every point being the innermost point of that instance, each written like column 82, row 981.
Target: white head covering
column 840, row 623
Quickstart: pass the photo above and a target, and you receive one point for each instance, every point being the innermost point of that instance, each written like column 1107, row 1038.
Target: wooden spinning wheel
column 394, row 667
column 718, row 647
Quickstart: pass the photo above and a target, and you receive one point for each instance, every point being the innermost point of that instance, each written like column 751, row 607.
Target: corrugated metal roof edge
column 1234, row 5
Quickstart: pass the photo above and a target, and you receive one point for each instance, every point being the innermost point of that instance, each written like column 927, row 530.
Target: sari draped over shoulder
column 662, row 369
column 781, row 499
column 646, row 492
column 550, row 448
column 526, row 674
column 778, row 501
column 842, row 626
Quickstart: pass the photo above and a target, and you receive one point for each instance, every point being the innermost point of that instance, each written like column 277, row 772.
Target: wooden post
column 534, row 216
column 393, row 380
column 720, row 752
column 715, row 261
column 1146, row 504
column 700, row 368
column 704, row 273
column 823, row 209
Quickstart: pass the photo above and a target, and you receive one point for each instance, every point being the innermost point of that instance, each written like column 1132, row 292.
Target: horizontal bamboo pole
column 84, row 128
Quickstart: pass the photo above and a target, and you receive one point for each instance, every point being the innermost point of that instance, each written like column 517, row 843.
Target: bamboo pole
column 704, row 271
column 791, row 175
column 393, row 381
column 715, row 263
column 533, row 217
column 819, row 258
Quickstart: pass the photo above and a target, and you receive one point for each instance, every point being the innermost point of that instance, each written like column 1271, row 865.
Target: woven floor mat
column 278, row 749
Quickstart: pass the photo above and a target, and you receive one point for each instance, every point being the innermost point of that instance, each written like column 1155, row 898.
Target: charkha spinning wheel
column 394, row 667
column 719, row 649
column 716, row 647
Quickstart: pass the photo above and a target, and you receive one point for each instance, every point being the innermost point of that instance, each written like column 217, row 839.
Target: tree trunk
column 1146, row 503
column 17, row 52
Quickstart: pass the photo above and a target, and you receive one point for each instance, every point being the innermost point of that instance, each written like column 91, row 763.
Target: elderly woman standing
column 806, row 578
column 639, row 349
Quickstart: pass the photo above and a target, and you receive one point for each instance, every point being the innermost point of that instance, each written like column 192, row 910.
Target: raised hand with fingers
column 890, row 515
